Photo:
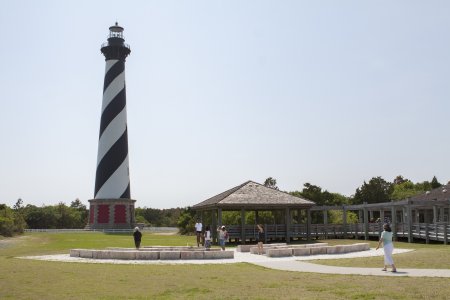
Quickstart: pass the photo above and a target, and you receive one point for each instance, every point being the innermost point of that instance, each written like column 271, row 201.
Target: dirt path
column 8, row 242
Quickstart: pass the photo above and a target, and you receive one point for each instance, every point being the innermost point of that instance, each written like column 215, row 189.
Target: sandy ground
column 8, row 242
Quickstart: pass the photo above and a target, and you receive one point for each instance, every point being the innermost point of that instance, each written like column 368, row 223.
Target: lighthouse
column 112, row 206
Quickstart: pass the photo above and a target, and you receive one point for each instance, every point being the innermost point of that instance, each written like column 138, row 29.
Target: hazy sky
column 221, row 92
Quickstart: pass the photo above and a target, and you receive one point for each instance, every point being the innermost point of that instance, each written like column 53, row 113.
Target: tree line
column 377, row 190
column 158, row 217
column 61, row 216
column 74, row 216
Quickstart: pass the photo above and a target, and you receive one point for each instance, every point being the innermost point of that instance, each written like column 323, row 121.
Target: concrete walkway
column 296, row 264
column 301, row 266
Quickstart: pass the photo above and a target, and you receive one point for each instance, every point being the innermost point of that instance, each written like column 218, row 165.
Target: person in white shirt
column 207, row 238
column 388, row 247
column 198, row 231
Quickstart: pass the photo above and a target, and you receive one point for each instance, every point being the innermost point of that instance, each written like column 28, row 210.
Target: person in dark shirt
column 260, row 239
column 137, row 237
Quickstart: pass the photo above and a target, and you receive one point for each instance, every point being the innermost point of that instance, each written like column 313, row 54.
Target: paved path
column 297, row 263
column 301, row 266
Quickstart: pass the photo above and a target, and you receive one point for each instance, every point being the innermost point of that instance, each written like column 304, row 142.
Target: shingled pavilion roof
column 440, row 193
column 253, row 195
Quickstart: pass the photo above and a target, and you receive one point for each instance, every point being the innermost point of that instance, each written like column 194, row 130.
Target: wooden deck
column 419, row 231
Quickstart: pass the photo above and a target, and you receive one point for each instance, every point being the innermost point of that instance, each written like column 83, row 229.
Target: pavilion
column 421, row 217
column 254, row 197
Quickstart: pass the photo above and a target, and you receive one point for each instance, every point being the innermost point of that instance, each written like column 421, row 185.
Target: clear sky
column 221, row 92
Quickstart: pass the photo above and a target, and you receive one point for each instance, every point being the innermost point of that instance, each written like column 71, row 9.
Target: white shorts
column 388, row 249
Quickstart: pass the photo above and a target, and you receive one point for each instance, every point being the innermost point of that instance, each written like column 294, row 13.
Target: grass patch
column 28, row 279
column 431, row 256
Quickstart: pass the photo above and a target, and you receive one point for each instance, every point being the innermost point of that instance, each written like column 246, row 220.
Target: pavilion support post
column 428, row 216
column 214, row 225
column 371, row 216
column 435, row 217
column 405, row 212
column 265, row 233
column 360, row 227
column 288, row 224
column 446, row 225
column 448, row 209
column 409, row 219
column 344, row 221
column 219, row 217
column 394, row 222
column 325, row 222
column 441, row 215
column 380, row 224
column 308, row 224
column 366, row 222
column 445, row 233
column 242, row 226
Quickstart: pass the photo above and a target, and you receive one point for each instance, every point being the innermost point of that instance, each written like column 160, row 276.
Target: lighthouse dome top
column 115, row 47
column 116, row 31
column 116, row 28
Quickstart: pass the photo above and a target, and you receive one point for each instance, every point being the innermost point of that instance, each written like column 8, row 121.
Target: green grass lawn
column 28, row 279
column 431, row 256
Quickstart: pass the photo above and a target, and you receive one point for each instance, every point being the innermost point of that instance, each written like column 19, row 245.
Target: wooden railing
column 272, row 231
column 428, row 232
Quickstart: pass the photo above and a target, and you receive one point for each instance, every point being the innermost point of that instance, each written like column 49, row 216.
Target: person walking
column 207, row 238
column 260, row 239
column 198, row 232
column 137, row 235
column 223, row 235
column 388, row 247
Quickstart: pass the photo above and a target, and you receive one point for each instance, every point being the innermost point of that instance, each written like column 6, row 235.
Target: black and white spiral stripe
column 112, row 177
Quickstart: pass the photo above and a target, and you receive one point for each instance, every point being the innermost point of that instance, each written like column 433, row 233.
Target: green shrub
column 10, row 222
column 186, row 221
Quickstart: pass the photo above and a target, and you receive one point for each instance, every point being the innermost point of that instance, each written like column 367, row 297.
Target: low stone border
column 192, row 253
column 303, row 251
column 162, row 248
column 254, row 249
column 246, row 248
column 151, row 254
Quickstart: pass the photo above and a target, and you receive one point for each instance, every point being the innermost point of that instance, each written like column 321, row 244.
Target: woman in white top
column 388, row 247
column 207, row 238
